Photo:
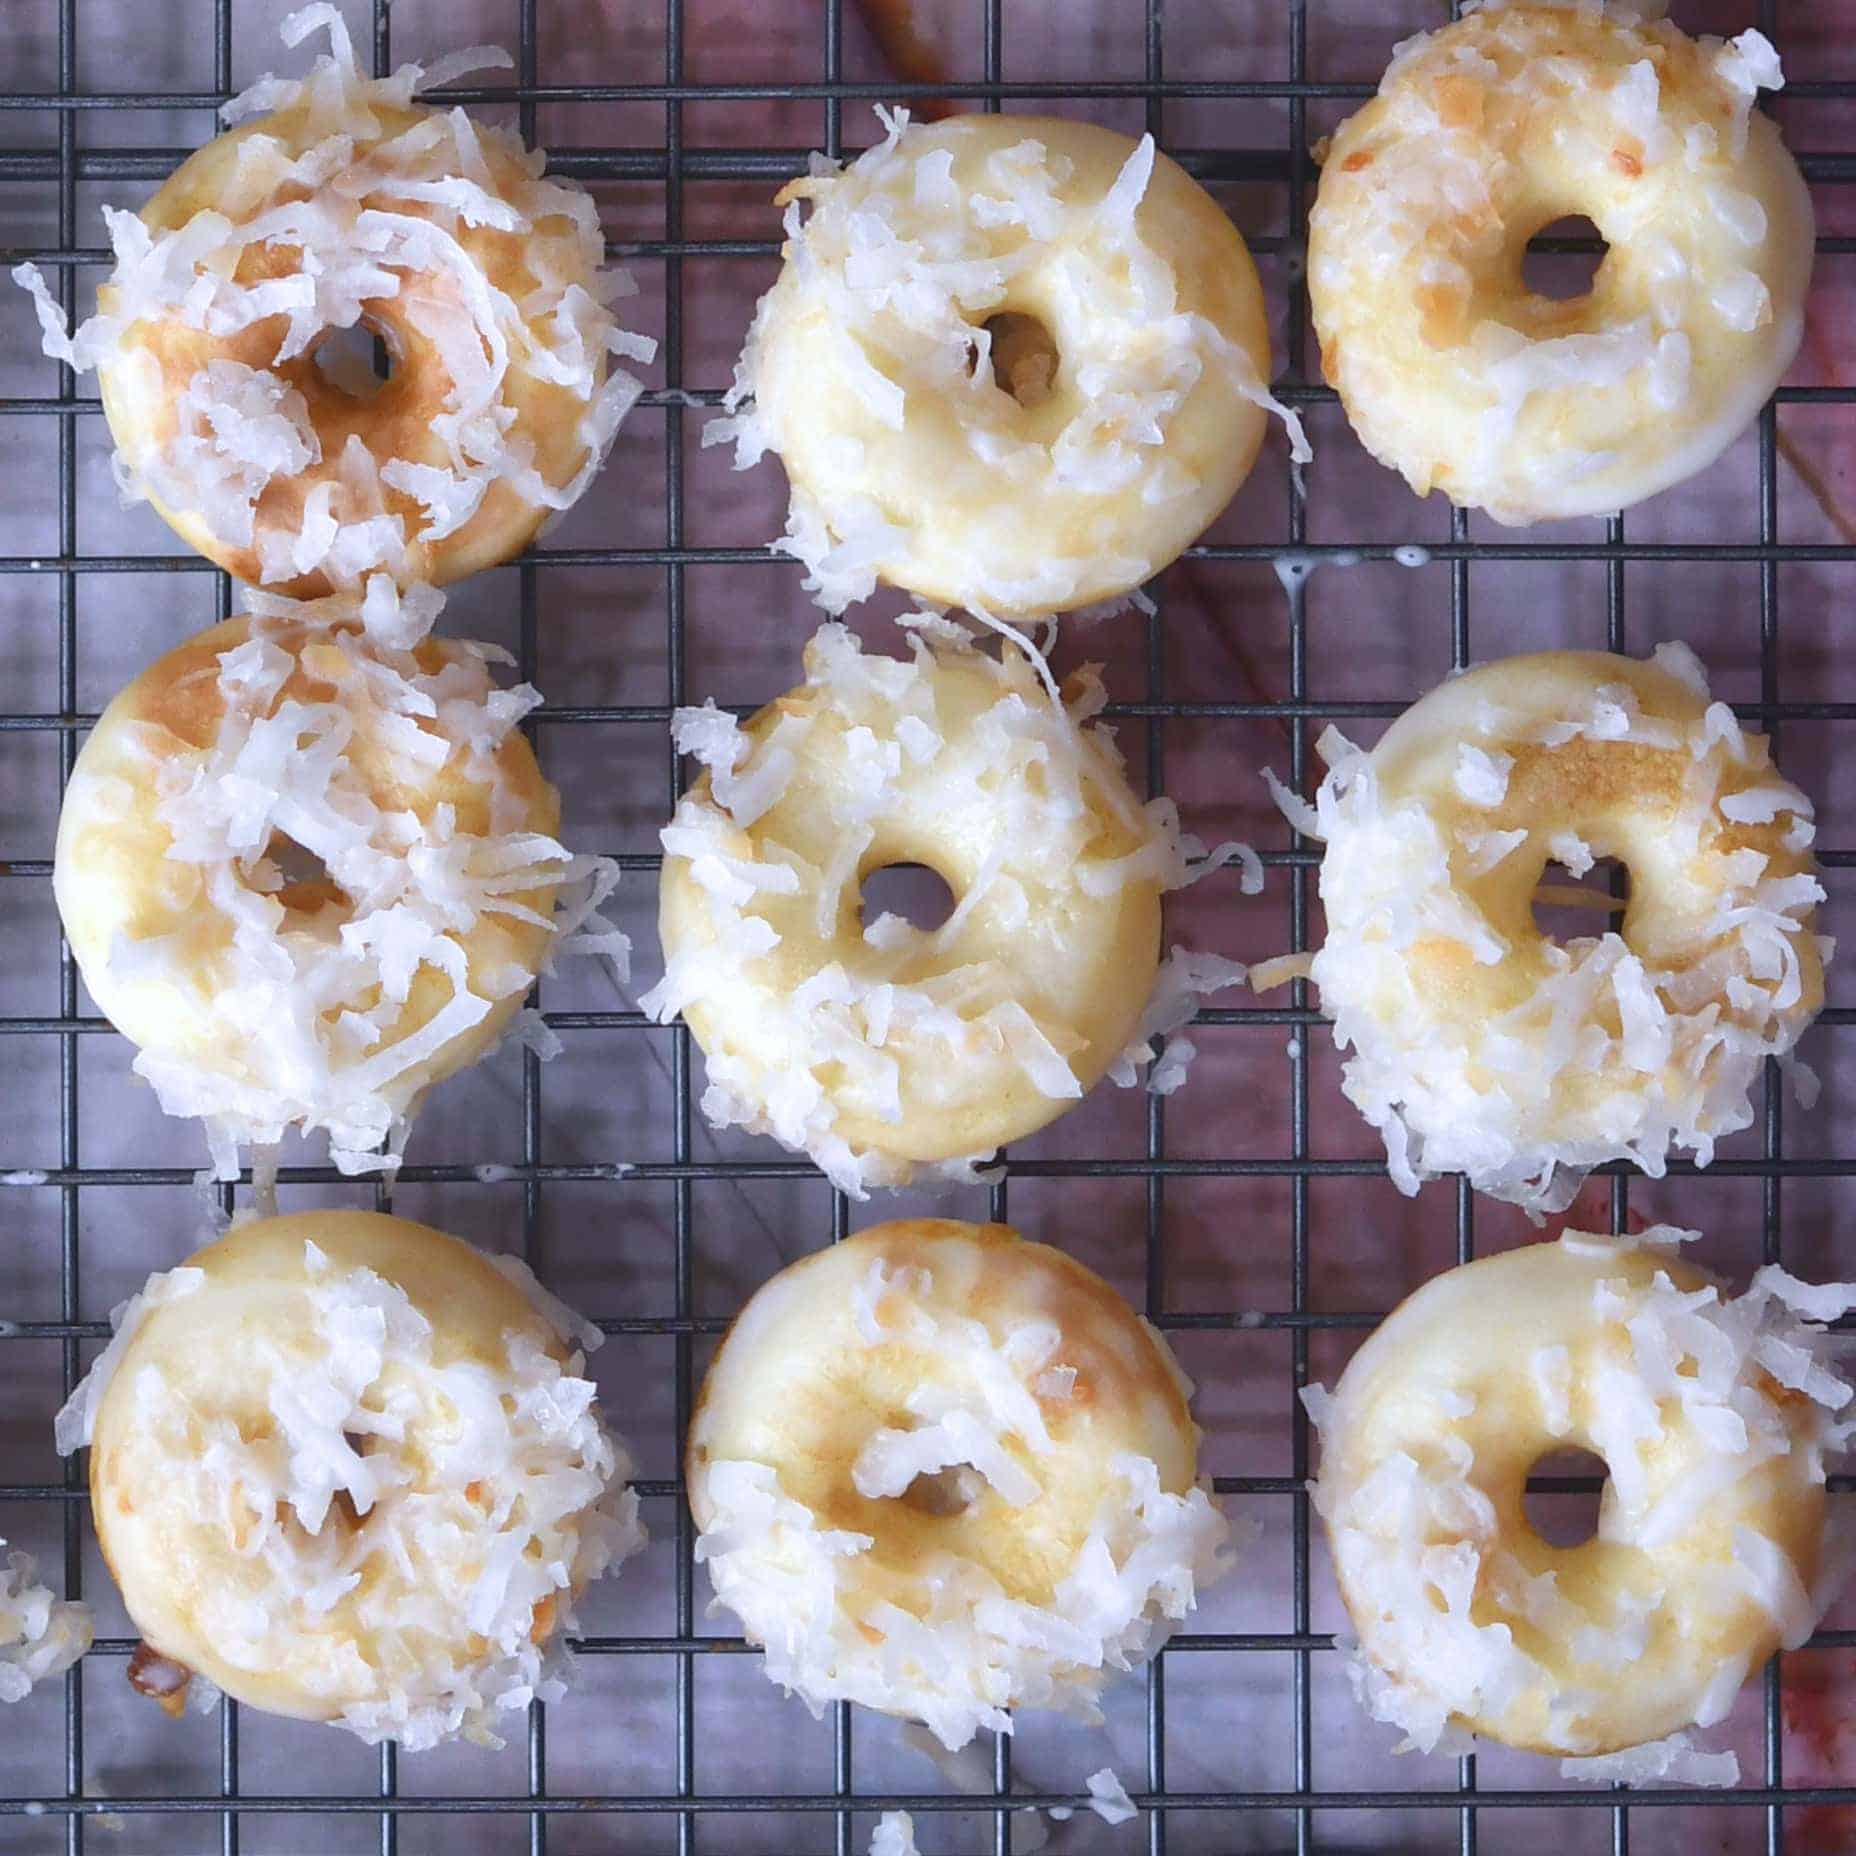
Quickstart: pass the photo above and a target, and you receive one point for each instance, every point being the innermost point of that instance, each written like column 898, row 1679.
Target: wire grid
column 826, row 1819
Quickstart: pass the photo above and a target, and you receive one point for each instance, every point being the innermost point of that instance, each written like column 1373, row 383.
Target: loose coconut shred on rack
column 309, row 1002
column 40, row 1634
column 369, row 216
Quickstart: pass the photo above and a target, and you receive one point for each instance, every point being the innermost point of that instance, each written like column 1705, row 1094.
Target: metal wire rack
column 838, row 1818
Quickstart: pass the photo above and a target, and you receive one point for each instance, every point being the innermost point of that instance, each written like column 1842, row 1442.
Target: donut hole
column 298, row 879
column 356, row 361
column 945, row 1492
column 1024, row 357
column 1569, row 908
column 912, row 893
column 1561, row 261
column 1562, row 1497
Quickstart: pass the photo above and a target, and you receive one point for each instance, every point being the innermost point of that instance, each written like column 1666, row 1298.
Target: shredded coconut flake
column 1108, row 1798
column 41, row 1635
column 1419, row 1546
column 895, row 1835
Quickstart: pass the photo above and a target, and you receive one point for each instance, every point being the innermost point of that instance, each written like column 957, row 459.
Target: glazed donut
column 350, row 1470
column 1481, row 1046
column 41, row 1634
column 306, row 864
column 1460, row 377
column 946, row 1473
column 352, row 207
column 875, row 1047
column 1712, row 1416
column 1010, row 363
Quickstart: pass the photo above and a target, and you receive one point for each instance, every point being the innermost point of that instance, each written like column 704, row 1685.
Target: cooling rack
column 691, row 1805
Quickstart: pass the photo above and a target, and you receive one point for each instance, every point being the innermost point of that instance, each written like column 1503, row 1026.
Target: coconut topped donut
column 875, row 1046
column 1713, row 1415
column 1011, row 363
column 1458, row 374
column 41, row 1634
column 945, row 1473
column 350, row 1470
column 352, row 207
column 307, row 865
column 1479, row 1043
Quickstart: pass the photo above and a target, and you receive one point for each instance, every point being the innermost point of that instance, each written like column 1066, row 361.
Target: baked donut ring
column 351, row 1470
column 945, row 1473
column 1712, row 1416
column 876, row 1047
column 1479, row 1044
column 1458, row 375
column 306, row 863
column 351, row 207
column 1010, row 363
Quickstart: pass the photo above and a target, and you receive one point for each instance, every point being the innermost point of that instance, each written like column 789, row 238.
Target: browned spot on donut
column 1360, row 158
column 1440, row 309
column 1584, row 778
column 1459, row 102
column 1626, row 163
column 1787, row 1398
column 1442, row 957
column 542, row 1627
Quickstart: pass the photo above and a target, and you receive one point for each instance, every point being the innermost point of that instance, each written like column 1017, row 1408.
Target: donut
column 41, row 1634
column 350, row 206
column 1453, row 371
column 347, row 1469
column 306, row 864
column 1479, row 1044
column 946, row 1473
column 877, row 1047
column 1712, row 1414
column 1010, row 363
